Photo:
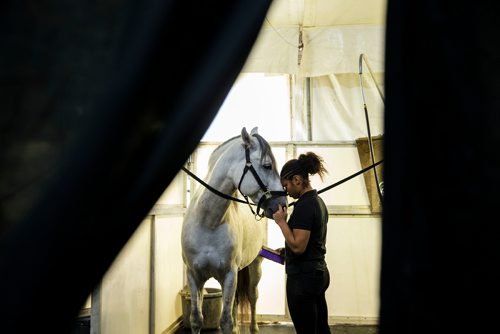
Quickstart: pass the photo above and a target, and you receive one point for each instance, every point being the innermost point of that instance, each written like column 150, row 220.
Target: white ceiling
column 333, row 33
column 318, row 13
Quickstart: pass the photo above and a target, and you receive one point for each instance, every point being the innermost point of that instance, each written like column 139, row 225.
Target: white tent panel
column 168, row 272
column 340, row 161
column 125, row 291
column 326, row 12
column 175, row 193
column 332, row 33
column 326, row 50
column 255, row 99
column 337, row 105
column 272, row 284
column 337, row 49
column 275, row 51
column 353, row 259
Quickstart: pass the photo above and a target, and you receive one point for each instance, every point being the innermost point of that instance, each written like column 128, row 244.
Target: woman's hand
column 280, row 215
column 281, row 250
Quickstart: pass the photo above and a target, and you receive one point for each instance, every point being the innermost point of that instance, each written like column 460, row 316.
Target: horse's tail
column 242, row 292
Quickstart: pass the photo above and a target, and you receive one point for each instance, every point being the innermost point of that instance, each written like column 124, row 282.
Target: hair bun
column 305, row 164
column 312, row 163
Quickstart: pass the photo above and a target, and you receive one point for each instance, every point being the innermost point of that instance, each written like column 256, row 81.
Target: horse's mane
column 266, row 149
column 264, row 145
column 215, row 154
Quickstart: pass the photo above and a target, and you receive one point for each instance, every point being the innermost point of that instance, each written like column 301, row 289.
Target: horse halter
column 268, row 194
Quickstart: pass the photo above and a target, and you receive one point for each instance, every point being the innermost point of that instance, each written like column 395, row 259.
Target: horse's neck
column 209, row 206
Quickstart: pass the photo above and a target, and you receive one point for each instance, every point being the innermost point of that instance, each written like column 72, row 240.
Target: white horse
column 222, row 241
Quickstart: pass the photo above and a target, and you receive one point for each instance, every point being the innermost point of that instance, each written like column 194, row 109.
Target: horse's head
column 259, row 178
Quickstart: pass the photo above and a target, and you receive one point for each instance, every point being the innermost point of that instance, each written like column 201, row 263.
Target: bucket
column 211, row 307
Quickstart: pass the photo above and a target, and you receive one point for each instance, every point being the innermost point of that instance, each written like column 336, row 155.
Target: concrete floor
column 287, row 328
column 83, row 327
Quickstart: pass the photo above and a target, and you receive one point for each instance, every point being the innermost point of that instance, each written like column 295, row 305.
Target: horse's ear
column 245, row 136
column 254, row 131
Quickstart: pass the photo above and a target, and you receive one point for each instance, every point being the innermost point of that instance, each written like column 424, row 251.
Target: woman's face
column 292, row 187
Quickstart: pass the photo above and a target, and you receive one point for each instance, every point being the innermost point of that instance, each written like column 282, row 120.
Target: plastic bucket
column 211, row 308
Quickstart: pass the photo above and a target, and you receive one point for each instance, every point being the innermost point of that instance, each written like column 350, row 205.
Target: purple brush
column 272, row 255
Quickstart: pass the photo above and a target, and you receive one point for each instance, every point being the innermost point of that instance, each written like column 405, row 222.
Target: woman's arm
column 297, row 239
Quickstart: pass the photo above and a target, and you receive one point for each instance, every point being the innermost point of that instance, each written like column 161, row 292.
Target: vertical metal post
column 308, row 108
column 152, row 280
column 299, row 108
column 95, row 310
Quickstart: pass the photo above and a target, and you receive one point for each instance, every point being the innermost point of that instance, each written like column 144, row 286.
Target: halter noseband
column 268, row 194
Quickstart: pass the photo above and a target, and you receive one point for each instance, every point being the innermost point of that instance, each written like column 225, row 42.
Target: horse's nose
column 272, row 206
column 269, row 212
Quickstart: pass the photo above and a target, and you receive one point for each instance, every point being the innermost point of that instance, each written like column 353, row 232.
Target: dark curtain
column 440, row 237
column 101, row 104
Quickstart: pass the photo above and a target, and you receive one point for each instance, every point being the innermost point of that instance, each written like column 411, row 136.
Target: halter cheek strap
column 267, row 193
column 249, row 167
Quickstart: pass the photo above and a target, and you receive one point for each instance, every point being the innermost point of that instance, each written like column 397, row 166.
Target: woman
column 305, row 239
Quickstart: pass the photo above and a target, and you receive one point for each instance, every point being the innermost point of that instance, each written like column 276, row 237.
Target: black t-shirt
column 310, row 213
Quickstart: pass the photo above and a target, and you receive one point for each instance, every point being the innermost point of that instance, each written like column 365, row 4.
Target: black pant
column 306, row 301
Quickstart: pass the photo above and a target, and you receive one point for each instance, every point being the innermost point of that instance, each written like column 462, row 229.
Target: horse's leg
column 228, row 321
column 235, row 313
column 255, row 272
column 195, row 289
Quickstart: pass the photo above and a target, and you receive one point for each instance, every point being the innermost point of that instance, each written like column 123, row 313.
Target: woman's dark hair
column 308, row 163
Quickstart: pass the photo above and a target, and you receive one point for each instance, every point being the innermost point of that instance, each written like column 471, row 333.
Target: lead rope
column 221, row 194
column 212, row 189
column 338, row 183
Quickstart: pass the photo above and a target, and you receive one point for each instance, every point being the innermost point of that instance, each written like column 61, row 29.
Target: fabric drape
column 439, row 231
column 101, row 104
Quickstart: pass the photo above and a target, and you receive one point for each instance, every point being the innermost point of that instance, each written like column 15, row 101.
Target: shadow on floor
column 81, row 326
column 287, row 328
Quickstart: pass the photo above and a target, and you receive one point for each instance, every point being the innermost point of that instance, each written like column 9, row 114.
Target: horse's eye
column 268, row 166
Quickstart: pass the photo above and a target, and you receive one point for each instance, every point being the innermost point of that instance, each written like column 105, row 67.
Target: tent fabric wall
column 253, row 98
column 125, row 289
column 169, row 274
column 354, row 248
column 326, row 50
column 335, row 107
column 333, row 34
column 139, row 293
column 327, row 12
column 337, row 111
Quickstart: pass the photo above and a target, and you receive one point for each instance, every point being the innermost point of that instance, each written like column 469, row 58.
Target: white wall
column 353, row 258
column 140, row 291
column 125, row 287
column 169, row 277
column 169, row 268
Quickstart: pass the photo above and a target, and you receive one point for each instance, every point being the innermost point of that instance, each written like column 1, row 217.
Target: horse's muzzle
column 270, row 205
